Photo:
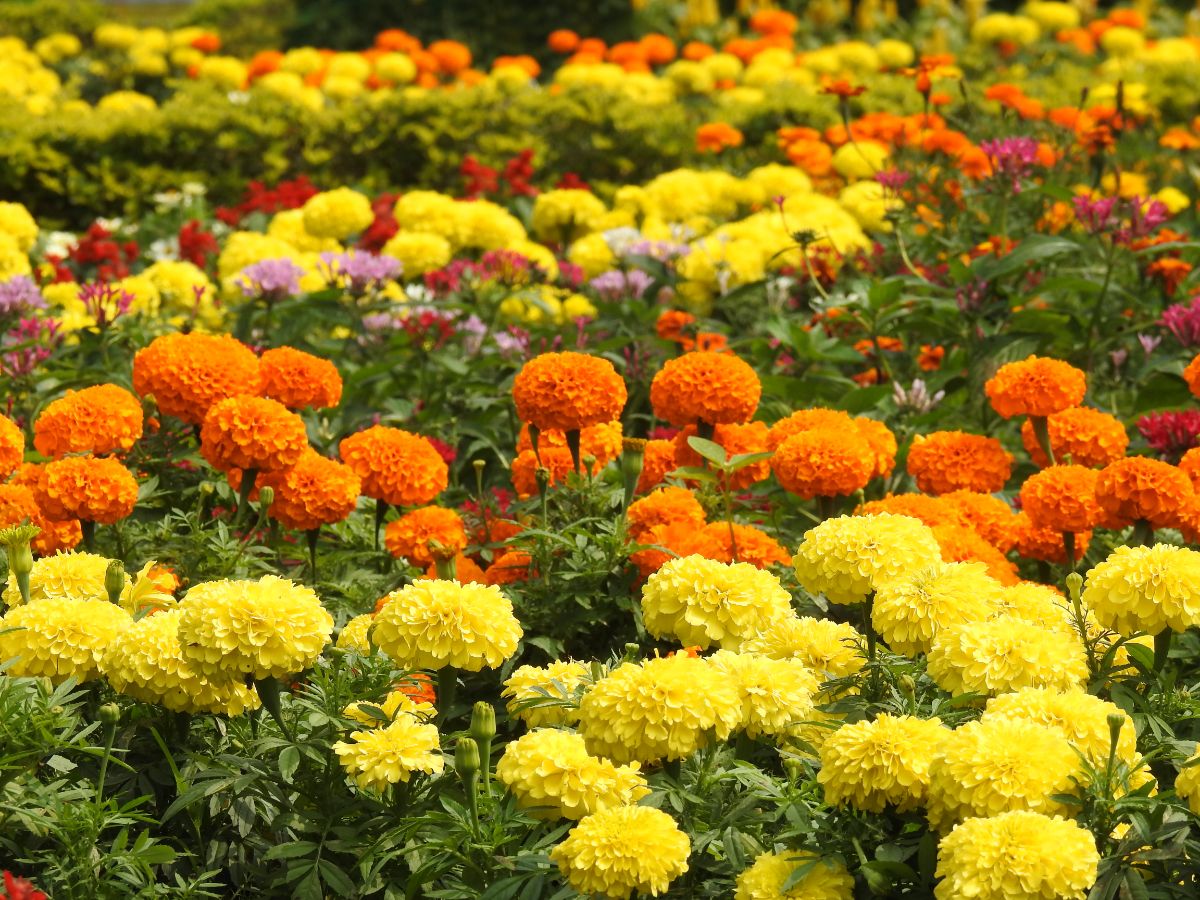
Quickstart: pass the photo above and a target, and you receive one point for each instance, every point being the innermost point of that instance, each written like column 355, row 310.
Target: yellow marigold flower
column 1017, row 855
column 431, row 624
column 66, row 576
column 617, row 851
column 870, row 765
column 397, row 702
column 16, row 222
column 1079, row 716
column 59, row 638
column 777, row 694
column 661, row 709
column 527, row 688
column 986, row 768
column 337, row 214
column 1187, row 784
column 1035, row 603
column 702, row 602
column 826, row 880
column 1005, row 654
column 552, row 775
column 270, row 628
column 1146, row 589
column 418, row 252
column 146, row 662
column 850, row 557
column 354, row 634
column 831, row 649
column 383, row 756
column 909, row 611
column 563, row 216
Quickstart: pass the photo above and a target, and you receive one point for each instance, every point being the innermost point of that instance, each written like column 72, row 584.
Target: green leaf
column 710, row 450
column 289, row 761
column 291, row 850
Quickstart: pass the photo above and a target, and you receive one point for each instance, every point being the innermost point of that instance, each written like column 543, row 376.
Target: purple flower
column 1183, row 321
column 19, row 294
column 362, row 271
column 1097, row 215
column 105, row 302
column 1145, row 216
column 1011, row 158
column 26, row 345
column 664, row 251
column 616, row 285
column 271, row 279
column 1149, row 342
column 513, row 342
column 377, row 323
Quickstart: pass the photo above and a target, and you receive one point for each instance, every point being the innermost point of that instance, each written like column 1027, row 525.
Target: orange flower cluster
column 1080, row 435
column 12, row 446
column 1046, row 544
column 715, row 137
column 252, row 433
column 946, row 461
column 966, row 545
column 658, row 460
column 677, row 539
column 95, row 489
column 1191, row 375
column 18, row 503
column 1190, row 465
column 666, row 506
column 745, row 543
column 1138, row 488
column 1062, row 498
column 315, row 491
column 823, row 463
column 188, row 373
column 1036, row 386
column 555, row 460
column 601, row 441
column 395, row 466
column 103, row 419
column 877, row 436
column 568, row 391
column 466, row 571
column 509, row 568
column 413, row 535
column 298, row 379
column 990, row 516
column 702, row 386
column 735, row 440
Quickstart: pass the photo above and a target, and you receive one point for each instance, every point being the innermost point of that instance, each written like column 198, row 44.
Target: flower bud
column 1074, row 585
column 110, row 714
column 266, row 496
column 466, row 757
column 483, row 722
column 114, row 580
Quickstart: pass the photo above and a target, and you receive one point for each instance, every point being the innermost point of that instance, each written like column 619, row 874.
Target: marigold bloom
column 714, row 388
column 1047, row 856
column 59, row 638
column 831, row 649
column 823, row 463
column 409, row 698
column 1082, row 718
column 66, row 576
column 965, row 545
column 1191, row 374
column 556, row 461
column 623, row 849
column 1139, row 488
column 1146, row 589
column 414, row 534
column 1079, row 435
column 946, row 461
column 883, row 762
column 1036, row 386
column 18, row 506
column 188, row 373
column 658, row 459
column 298, row 379
column 882, row 443
column 1046, row 544
column 909, row 611
column 735, row 440
column 1004, row 654
column 12, row 446
column 1062, row 498
column 604, row 441
column 680, row 540
column 992, row 518
column 531, row 693
column 714, row 137
column 466, row 571
column 745, row 544
column 315, row 491
column 509, row 567
column 380, row 757
column 568, row 391
column 808, row 420
column 933, row 511
column 85, row 487
column 665, row 506
column 1187, row 784
column 823, row 879
column 101, row 420
column 671, row 322
column 355, row 634
column 252, row 433
column 395, row 466
column 777, row 694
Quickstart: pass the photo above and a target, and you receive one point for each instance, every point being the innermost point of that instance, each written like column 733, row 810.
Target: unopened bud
column 466, row 757
column 114, row 580
column 266, row 496
column 483, row 722
column 110, row 714
column 1074, row 585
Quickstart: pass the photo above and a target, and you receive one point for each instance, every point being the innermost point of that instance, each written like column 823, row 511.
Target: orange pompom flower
column 94, row 489
column 1191, row 375
column 425, row 534
column 735, row 440
column 252, row 433
column 666, row 506
column 1138, row 488
column 188, row 373
column 676, row 539
column 946, row 461
column 658, row 460
column 1037, row 386
column 103, row 419
column 966, row 545
column 1190, row 465
column 315, row 491
column 807, row 420
column 745, row 543
column 933, row 511
column 466, row 571
column 1080, row 435
column 509, row 567
column 603, row 442
column 671, row 323
column 713, row 388
column 823, row 463
column 555, row 460
column 568, row 391
column 397, row 467
column 12, row 446
column 298, row 379
column 882, row 443
column 1047, row 544
column 714, row 137
column 991, row 517
column 1062, row 498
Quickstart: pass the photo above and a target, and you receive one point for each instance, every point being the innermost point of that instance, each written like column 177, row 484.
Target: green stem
column 1143, row 534
column 1069, row 545
column 89, row 535
column 312, row 536
column 381, row 509
column 447, row 693
column 1098, row 307
column 1162, row 649
column 249, row 477
column 573, row 438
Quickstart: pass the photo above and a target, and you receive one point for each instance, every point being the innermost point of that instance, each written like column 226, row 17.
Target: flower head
column 830, row 649
column 702, row 386
column 395, row 466
column 992, row 518
column 12, row 446
column 380, row 757
column 1146, row 589
column 777, row 694
column 1062, row 498
column 422, row 535
column 1036, row 386
column 84, row 487
column 252, row 433
column 946, row 461
column 909, row 611
column 1004, row 654
column 568, row 391
column 59, row 638
column 623, row 849
column 1138, row 487
column 188, row 373
column 542, row 695
column 665, row 506
column 870, row 765
column 823, row 463
column 315, row 491
column 271, row 279
column 298, row 379
column 824, row 879
column 1082, row 718
column 67, row 576
column 103, row 419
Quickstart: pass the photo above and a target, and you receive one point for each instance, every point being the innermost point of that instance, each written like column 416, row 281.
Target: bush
column 34, row 19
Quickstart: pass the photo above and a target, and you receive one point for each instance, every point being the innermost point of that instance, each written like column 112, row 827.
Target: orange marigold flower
column 18, row 505
column 1192, row 375
column 931, row 358
column 990, row 516
column 509, row 567
column 555, row 460
column 252, row 433
column 882, row 443
column 1080, row 435
column 466, row 571
column 1046, row 544
column 1062, row 498
column 679, row 539
column 745, row 543
column 414, row 535
column 298, row 379
column 946, row 461
column 188, row 373
column 603, row 441
column 843, row 89
column 1190, row 465
column 671, row 323
column 12, row 446
column 95, row 489
column 773, row 21
column 966, row 545
column 563, row 41
column 933, row 511
column 658, row 460
column 1037, row 386
column 823, row 463
column 395, row 466
column 714, row 137
column 1138, row 487
column 715, row 388
column 568, row 391
column 315, row 491
column 807, row 420
column 735, row 440
column 418, row 686
column 103, row 419
column 666, row 506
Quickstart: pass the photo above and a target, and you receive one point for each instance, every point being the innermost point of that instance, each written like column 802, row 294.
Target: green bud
column 793, row 766
column 266, row 496
column 1116, row 721
column 466, row 757
column 114, row 580
column 110, row 714
column 483, row 722
column 207, row 488
column 1074, row 585
column 16, row 544
column 542, row 476
column 907, row 685
column 479, row 464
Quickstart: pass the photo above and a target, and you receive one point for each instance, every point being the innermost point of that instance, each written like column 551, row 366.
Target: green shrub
column 33, row 19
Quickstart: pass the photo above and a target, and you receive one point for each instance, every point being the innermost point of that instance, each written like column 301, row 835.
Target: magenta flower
column 1183, row 321
column 1171, row 433
column 1011, row 158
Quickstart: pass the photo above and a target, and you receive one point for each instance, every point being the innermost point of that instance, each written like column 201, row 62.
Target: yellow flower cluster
column 540, row 695
column 830, row 649
column 623, row 849
column 66, row 576
column 870, row 765
column 777, row 694
column 381, row 757
column 1080, row 717
column 1146, row 589
column 1005, row 654
column 337, row 214
column 60, row 638
column 824, row 880
column 395, row 703
column 909, row 611
column 355, row 634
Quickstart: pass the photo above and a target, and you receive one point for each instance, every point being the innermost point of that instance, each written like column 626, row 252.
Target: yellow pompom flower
column 355, row 634
column 830, row 649
column 850, row 557
column 337, row 214
column 270, row 628
column 1187, row 784
column 66, row 576
column 1077, row 715
column 777, row 694
column 860, row 159
column 531, row 690
column 383, row 756
column 986, row 768
column 1017, row 855
column 12, row 260
column 909, row 611
column 60, row 638
column 394, row 704
column 418, row 252
column 870, row 765
column 1005, row 654
column 826, row 880
column 552, row 775
column 146, row 662
column 563, row 216
column 431, row 624
column 661, row 709
column 702, row 602
column 617, row 851
column 1146, row 589
column 16, row 222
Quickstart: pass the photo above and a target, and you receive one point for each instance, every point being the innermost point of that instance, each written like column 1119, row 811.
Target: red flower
column 1171, row 433
column 843, row 89
column 196, row 245
column 20, row 888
